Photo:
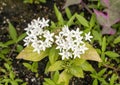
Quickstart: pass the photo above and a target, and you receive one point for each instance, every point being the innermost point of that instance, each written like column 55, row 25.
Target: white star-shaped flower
column 76, row 33
column 44, row 23
column 65, row 54
column 88, row 36
column 83, row 48
column 48, row 35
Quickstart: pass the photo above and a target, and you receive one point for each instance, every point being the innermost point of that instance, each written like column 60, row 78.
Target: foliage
column 33, row 67
column 68, row 67
column 106, row 18
column 34, row 1
column 7, row 74
column 102, row 79
column 102, row 60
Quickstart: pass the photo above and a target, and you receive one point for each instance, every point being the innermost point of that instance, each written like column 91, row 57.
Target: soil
column 19, row 15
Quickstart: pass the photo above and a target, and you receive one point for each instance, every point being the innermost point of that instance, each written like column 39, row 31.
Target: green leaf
column 59, row 15
column 7, row 67
column 49, row 81
column 70, row 22
column 110, row 39
column 5, row 51
column 117, row 40
column 43, row 1
column 82, row 20
column 28, row 66
column 103, row 81
column 10, row 42
column 58, row 65
column 28, row 54
column 2, row 45
column 98, row 50
column 102, row 72
column 6, row 80
column 1, row 56
column 112, row 54
column 14, row 83
column 64, row 77
column 21, row 37
column 47, row 66
column 76, row 71
column 6, row 83
column 77, row 61
column 92, row 21
column 94, row 75
column 87, row 67
column 53, row 54
column 56, row 76
column 12, row 32
column 97, row 36
column 12, row 75
column 103, row 44
column 28, row 1
column 113, row 79
column 18, row 80
column 103, row 56
column 24, row 83
column 95, row 82
column 68, row 13
column 34, row 67
column 45, row 83
column 3, row 70
column 91, row 54
column 53, row 26
column 19, row 48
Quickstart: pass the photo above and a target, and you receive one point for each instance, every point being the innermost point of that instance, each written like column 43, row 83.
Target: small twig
column 113, row 68
column 12, row 50
column 86, row 7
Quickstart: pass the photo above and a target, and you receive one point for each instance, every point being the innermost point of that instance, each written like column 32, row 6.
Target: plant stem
column 113, row 68
column 86, row 7
column 12, row 50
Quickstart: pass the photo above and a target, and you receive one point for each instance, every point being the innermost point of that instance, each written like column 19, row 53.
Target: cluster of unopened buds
column 70, row 43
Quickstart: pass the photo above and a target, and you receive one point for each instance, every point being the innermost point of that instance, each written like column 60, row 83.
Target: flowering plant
column 67, row 49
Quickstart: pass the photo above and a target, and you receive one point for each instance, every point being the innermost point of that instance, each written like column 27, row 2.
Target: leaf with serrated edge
column 28, row 54
column 91, row 54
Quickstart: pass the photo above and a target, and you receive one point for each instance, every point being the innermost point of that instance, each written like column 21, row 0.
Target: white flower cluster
column 37, row 36
column 71, row 43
